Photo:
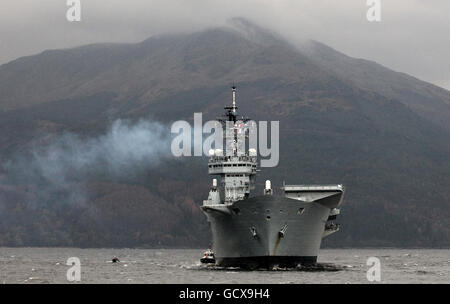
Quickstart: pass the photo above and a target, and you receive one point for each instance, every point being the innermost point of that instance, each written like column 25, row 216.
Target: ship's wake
column 319, row 267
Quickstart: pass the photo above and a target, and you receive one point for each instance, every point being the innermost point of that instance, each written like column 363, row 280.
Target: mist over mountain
column 383, row 134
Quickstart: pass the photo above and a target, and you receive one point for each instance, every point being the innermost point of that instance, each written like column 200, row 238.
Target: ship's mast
column 234, row 98
column 231, row 111
column 237, row 168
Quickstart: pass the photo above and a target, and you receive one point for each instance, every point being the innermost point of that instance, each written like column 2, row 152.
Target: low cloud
column 411, row 38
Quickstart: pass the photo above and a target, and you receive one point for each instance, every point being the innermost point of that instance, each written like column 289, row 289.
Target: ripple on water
column 319, row 267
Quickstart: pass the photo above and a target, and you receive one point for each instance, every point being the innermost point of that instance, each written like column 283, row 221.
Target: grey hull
column 268, row 230
column 264, row 230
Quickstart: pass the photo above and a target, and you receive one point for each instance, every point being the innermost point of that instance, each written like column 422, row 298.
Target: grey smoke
column 123, row 147
column 65, row 163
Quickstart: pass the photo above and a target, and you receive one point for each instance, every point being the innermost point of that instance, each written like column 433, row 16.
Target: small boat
column 208, row 257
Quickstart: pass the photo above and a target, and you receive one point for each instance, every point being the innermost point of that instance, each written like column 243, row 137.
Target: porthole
column 300, row 211
column 268, row 217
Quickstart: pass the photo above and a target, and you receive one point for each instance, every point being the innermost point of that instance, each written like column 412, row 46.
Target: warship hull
column 267, row 231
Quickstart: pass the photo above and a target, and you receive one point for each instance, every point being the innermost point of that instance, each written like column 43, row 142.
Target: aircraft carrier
column 276, row 228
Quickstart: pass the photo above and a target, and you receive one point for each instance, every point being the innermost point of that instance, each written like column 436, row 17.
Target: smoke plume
column 60, row 168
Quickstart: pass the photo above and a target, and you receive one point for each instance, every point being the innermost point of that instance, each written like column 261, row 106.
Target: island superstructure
column 271, row 229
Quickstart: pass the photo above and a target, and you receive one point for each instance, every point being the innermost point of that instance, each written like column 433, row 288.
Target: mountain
column 427, row 100
column 381, row 133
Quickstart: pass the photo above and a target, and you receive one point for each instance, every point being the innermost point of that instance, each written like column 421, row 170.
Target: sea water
column 48, row 265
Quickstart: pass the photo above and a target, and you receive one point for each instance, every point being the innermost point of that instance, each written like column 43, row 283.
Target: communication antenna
column 233, row 108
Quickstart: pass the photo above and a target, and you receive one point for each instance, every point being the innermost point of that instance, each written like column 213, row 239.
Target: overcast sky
column 412, row 37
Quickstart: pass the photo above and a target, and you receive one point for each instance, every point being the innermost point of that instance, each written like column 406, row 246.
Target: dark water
column 48, row 265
